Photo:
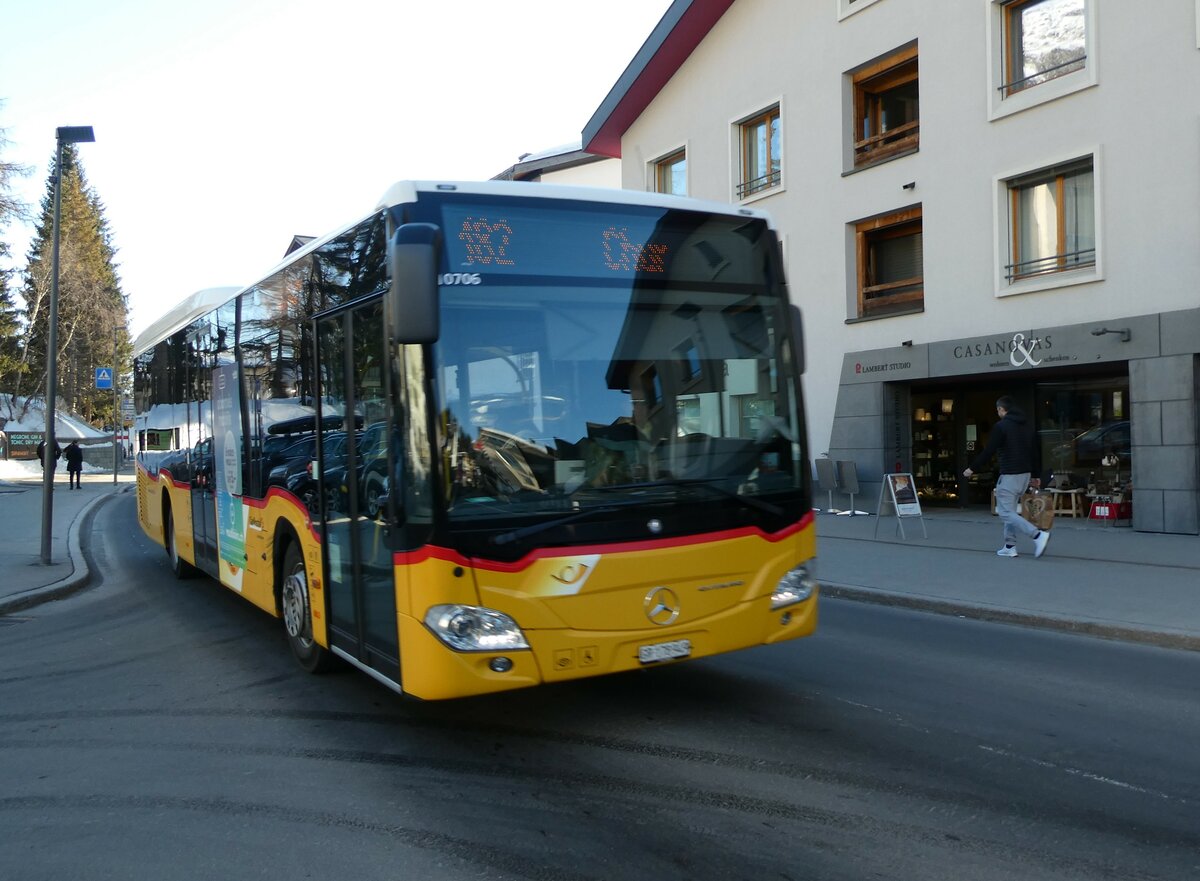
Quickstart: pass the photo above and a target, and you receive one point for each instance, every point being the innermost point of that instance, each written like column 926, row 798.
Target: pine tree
column 92, row 309
column 10, row 328
column 11, row 209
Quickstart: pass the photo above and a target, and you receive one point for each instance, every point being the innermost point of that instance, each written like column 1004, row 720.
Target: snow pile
column 65, row 425
column 19, row 469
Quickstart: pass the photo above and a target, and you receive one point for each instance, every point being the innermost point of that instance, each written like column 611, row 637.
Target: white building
column 976, row 197
column 568, row 165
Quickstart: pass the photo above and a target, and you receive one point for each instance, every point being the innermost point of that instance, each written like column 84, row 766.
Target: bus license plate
column 664, row 651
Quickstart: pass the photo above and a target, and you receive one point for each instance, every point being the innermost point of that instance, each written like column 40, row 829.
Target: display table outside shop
column 1111, row 507
column 1067, row 502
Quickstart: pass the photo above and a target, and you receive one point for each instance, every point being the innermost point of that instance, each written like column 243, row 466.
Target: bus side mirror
column 413, row 296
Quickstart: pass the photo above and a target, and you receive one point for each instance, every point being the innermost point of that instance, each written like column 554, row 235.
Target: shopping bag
column 1038, row 508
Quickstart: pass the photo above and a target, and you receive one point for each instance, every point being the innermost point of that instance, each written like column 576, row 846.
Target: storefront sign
column 1018, row 350
column 886, row 365
column 1034, row 348
column 1040, row 348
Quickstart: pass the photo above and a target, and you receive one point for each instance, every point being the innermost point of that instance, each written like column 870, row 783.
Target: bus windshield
column 569, row 401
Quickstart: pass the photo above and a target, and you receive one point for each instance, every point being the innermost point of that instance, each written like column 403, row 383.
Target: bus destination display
column 512, row 241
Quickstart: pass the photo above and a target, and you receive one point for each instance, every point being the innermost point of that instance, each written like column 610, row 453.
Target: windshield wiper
column 534, row 528
column 706, row 482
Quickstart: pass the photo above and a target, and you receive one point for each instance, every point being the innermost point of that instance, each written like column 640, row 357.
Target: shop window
column 889, row 254
column 887, row 119
column 761, row 153
column 670, row 174
column 1084, row 430
column 1052, row 218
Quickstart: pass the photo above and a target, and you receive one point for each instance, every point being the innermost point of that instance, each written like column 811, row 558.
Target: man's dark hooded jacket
column 1013, row 441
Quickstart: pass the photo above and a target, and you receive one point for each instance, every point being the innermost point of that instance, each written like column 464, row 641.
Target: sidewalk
column 27, row 581
column 1093, row 578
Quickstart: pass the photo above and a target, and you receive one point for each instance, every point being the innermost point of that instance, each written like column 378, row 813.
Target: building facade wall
column 605, row 173
column 1126, row 114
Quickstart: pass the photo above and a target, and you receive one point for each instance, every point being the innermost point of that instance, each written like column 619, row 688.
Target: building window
column 1052, row 216
column 1043, row 40
column 670, row 174
column 847, row 8
column 891, row 275
column 762, row 162
column 887, row 115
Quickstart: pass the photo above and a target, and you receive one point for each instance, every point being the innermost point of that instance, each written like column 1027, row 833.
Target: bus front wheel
column 297, row 615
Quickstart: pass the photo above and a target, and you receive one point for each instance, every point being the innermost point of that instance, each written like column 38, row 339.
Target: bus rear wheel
column 297, row 614
column 179, row 566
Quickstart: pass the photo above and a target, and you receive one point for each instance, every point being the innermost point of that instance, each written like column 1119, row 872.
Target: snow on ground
column 23, row 469
column 17, row 469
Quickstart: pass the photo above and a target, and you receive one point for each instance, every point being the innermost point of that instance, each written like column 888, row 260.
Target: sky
column 223, row 128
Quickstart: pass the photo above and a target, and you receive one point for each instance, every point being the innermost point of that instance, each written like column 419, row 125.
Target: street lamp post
column 68, row 134
column 116, row 408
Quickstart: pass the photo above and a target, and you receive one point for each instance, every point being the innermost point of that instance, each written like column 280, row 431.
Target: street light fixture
column 67, row 134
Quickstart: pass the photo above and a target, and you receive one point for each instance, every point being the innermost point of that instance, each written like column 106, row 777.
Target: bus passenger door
column 204, row 517
column 355, row 420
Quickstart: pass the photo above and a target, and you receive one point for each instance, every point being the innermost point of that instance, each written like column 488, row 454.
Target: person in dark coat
column 41, row 451
column 74, row 464
column 1014, row 443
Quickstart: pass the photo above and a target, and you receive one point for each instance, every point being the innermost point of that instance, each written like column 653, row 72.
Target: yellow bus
column 494, row 435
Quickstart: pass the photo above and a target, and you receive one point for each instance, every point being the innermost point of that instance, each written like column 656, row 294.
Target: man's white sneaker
column 1040, row 542
column 1006, row 552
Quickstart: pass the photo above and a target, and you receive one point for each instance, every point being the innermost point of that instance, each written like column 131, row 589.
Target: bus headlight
column 795, row 587
column 475, row 629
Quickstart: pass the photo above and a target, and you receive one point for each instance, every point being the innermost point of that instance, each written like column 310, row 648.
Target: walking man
column 1014, row 442
column 74, row 457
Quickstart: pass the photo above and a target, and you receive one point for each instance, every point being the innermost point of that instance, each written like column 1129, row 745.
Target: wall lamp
column 1124, row 332
column 907, row 344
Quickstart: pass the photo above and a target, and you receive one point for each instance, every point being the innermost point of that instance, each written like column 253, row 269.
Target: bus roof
column 405, row 192
column 179, row 316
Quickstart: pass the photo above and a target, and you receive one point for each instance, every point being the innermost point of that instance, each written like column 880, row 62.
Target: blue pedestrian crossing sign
column 104, row 377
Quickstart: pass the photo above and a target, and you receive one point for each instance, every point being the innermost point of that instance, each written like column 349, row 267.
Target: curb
column 854, row 593
column 80, row 575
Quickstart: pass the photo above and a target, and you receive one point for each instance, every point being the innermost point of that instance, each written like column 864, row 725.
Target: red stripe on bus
column 433, row 552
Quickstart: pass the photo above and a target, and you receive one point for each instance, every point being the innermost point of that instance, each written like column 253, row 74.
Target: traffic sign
column 104, row 377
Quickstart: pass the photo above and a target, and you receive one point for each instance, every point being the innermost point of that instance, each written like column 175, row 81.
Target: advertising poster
column 904, row 495
column 227, row 474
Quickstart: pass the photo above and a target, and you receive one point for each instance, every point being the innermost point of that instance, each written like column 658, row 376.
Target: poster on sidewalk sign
column 904, row 495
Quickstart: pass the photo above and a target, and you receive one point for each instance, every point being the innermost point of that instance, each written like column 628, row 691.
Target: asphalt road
column 157, row 729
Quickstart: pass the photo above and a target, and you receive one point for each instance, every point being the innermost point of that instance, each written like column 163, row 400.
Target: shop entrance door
column 951, row 426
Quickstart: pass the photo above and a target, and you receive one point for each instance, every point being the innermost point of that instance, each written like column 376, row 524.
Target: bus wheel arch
column 295, row 607
column 179, row 566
